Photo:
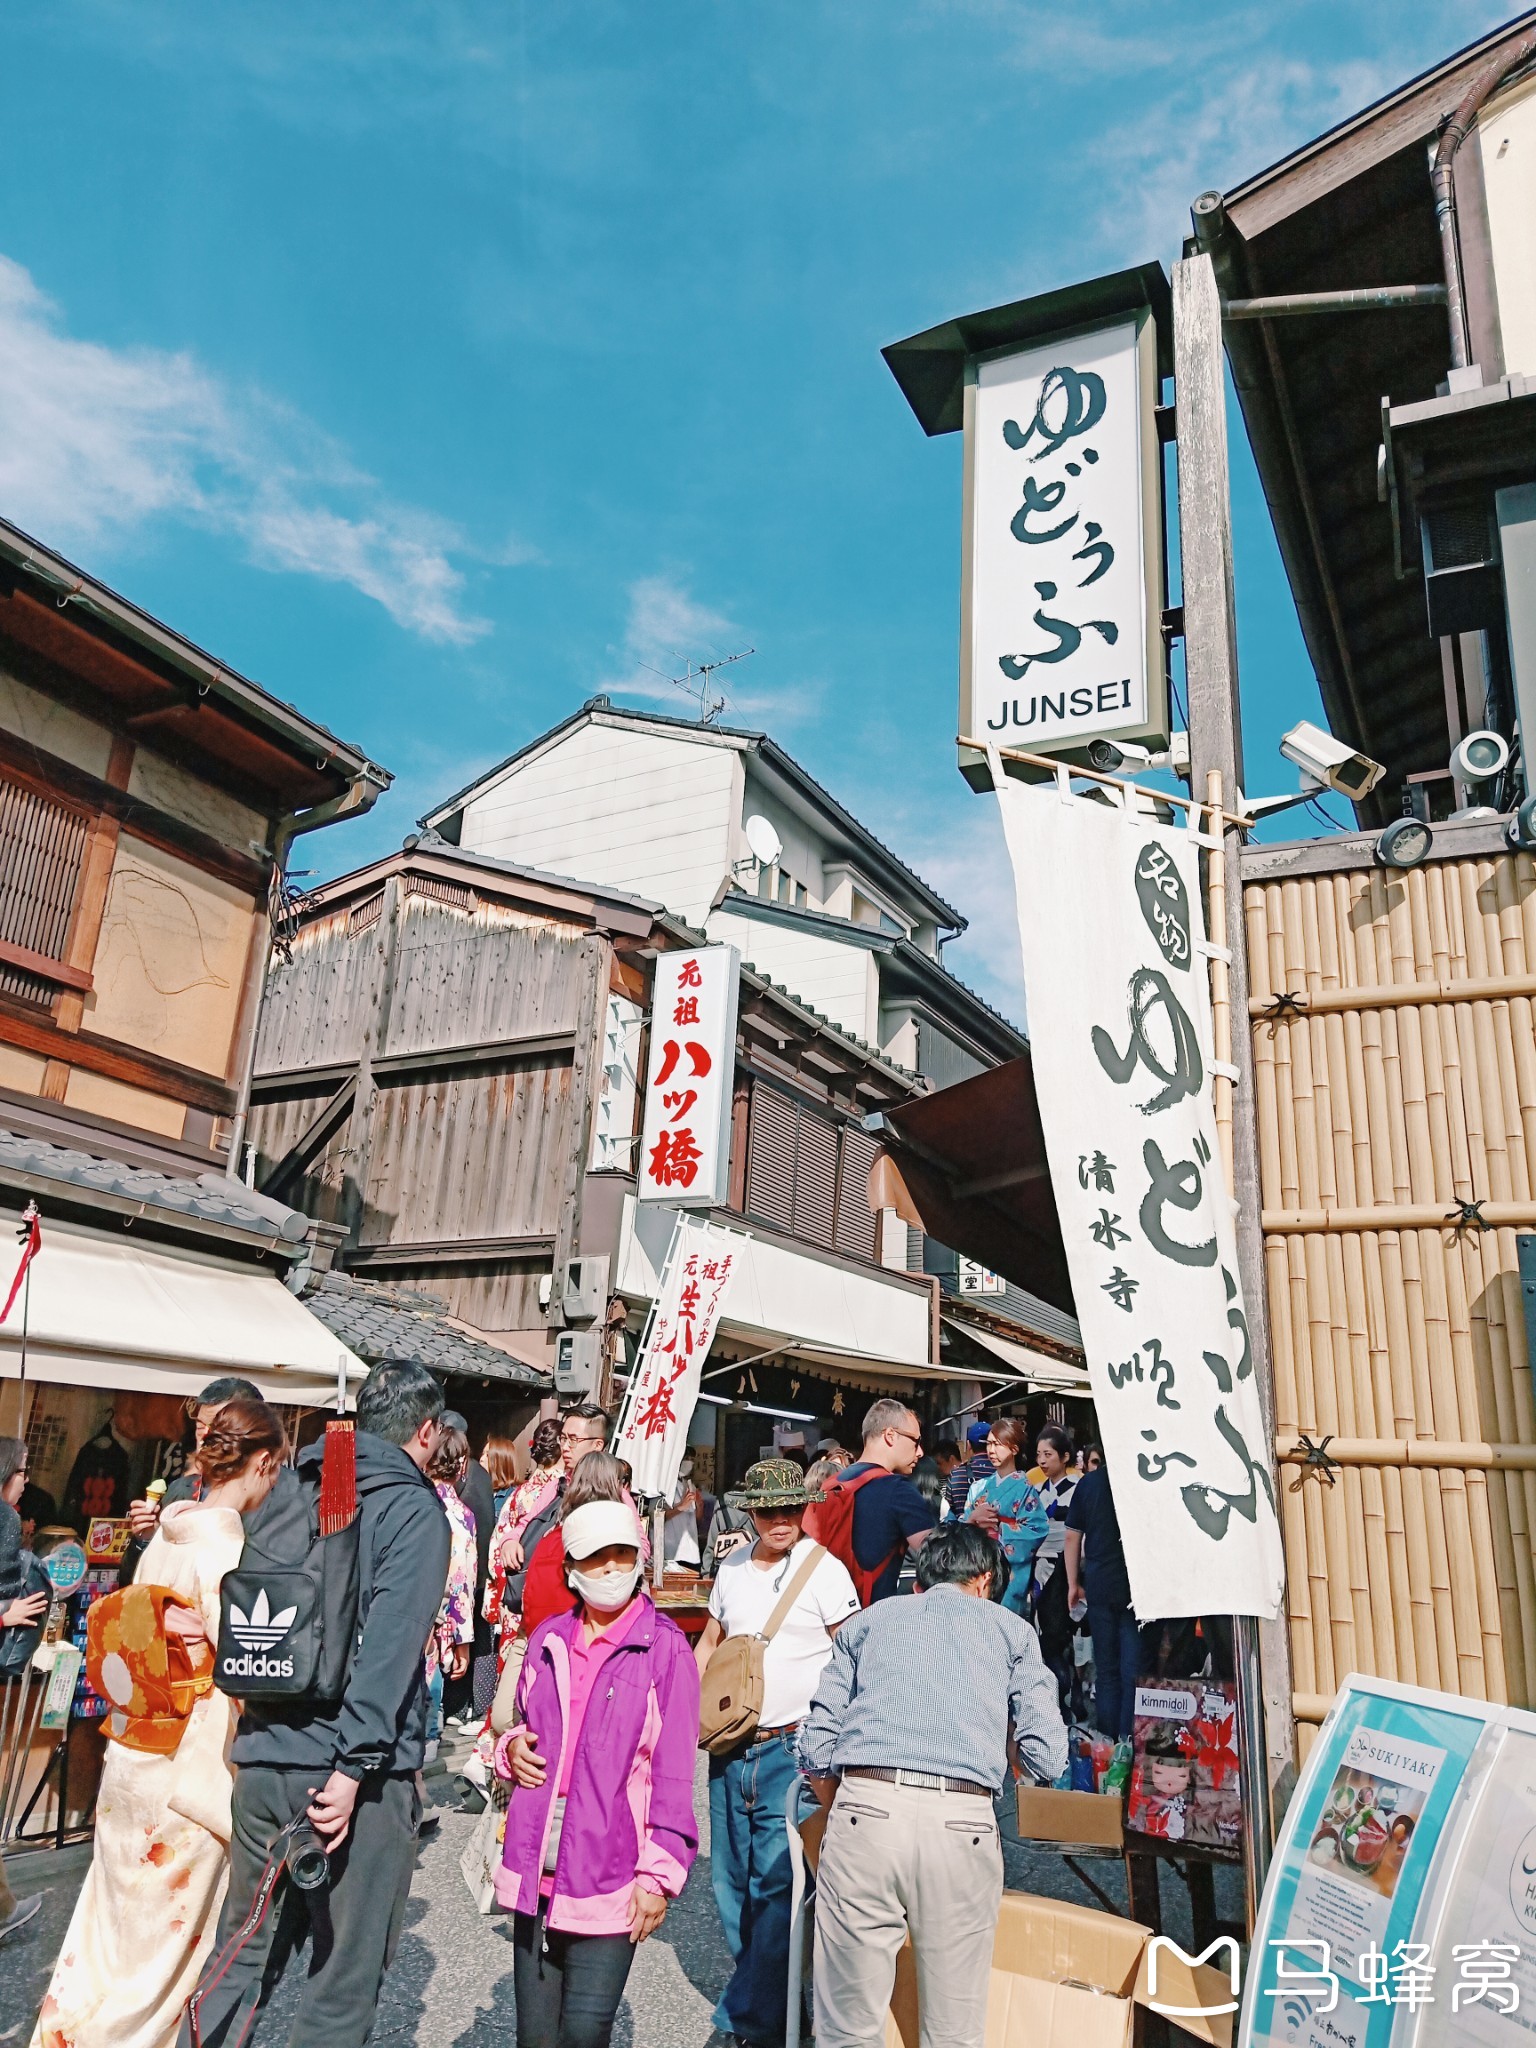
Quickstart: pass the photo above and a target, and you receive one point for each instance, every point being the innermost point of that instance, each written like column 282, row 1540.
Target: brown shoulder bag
column 731, row 1691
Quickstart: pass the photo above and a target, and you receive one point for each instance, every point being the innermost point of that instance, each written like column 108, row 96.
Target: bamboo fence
column 1396, row 1086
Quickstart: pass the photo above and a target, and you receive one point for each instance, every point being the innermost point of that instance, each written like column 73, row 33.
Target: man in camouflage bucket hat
column 773, row 1483
column 749, row 1848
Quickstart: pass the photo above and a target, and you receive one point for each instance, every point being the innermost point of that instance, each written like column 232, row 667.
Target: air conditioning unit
column 578, row 1361
column 585, row 1295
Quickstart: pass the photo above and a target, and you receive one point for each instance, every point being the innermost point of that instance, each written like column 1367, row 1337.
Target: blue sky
column 439, row 365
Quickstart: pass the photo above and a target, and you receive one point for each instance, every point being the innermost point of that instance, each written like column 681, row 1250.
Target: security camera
column 1109, row 756
column 1480, row 756
column 1328, row 764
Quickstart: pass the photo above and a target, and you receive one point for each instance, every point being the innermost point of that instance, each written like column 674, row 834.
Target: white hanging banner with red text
column 685, row 1149
column 665, row 1389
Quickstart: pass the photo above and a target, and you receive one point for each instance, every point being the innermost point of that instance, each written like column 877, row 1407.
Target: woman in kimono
column 145, row 1920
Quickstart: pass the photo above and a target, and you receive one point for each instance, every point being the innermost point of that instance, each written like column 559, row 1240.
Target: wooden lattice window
column 42, row 849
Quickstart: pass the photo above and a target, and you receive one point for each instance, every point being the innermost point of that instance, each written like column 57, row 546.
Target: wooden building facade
column 446, row 1078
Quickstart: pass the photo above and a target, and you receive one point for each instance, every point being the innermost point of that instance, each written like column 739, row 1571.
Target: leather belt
column 786, row 1728
column 926, row 1781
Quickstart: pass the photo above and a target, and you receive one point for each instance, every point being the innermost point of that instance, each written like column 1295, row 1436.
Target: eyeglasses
column 911, row 1439
column 584, row 1436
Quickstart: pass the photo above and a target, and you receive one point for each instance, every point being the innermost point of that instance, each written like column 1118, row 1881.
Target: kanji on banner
column 685, row 1144
column 659, row 1407
column 1116, row 983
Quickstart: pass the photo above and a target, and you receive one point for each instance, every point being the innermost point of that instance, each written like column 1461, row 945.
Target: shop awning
column 833, row 1314
column 1045, row 1374
column 971, row 1161
column 152, row 1318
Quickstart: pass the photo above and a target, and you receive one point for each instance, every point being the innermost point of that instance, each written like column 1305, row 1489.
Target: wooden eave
column 1353, row 209
column 564, row 901
column 274, row 764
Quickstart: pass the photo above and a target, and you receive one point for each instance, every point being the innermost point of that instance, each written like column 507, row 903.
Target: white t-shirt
column 745, row 1596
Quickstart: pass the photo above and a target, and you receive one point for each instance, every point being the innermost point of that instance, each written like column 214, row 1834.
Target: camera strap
column 243, row 1935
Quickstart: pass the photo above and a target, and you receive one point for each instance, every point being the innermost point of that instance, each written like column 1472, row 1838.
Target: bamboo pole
column 1221, row 996
column 1433, row 1215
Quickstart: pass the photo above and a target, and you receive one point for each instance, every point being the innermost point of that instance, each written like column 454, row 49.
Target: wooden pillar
column 574, row 1157
column 1216, row 742
column 381, row 995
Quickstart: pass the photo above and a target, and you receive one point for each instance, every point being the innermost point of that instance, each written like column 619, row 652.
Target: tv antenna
column 694, row 683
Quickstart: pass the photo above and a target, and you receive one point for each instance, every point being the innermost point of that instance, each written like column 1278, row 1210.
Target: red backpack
column 830, row 1522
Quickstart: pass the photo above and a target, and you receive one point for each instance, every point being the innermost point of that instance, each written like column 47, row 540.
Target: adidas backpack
column 288, row 1613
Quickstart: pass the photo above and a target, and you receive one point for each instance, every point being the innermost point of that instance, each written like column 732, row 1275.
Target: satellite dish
column 765, row 843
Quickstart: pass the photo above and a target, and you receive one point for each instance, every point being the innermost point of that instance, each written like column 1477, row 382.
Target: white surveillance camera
column 1109, row 755
column 1329, row 764
column 1480, row 756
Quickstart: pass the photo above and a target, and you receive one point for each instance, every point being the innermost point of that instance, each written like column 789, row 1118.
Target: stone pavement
column 451, row 1982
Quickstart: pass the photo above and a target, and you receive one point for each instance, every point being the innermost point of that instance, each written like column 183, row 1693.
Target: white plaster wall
column 840, row 981
column 635, row 810
column 1507, row 137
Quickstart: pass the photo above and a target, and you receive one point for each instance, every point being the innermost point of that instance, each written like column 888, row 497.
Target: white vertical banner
column 685, row 1147
column 1117, row 986
column 664, row 1391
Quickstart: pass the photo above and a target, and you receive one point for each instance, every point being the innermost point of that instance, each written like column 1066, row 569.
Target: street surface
column 451, row 1982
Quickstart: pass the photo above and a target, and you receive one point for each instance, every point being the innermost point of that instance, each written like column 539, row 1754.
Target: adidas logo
column 261, row 1628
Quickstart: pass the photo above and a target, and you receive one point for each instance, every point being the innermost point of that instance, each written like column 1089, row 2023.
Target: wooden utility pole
column 1266, row 1726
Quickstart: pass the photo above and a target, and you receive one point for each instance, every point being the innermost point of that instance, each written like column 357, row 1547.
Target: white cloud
column 96, row 442
column 1235, row 119
column 667, row 629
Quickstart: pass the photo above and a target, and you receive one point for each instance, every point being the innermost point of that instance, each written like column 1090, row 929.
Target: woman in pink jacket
column 601, row 1831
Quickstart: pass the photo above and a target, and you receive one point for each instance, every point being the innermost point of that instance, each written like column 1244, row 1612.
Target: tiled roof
column 229, row 1207
column 377, row 1321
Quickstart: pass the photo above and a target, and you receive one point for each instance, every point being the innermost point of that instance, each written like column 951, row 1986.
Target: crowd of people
column 239, row 1815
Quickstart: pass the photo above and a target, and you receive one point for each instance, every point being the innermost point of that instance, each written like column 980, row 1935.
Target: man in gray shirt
column 912, row 1728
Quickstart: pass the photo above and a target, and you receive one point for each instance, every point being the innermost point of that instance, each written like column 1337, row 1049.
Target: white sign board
column 1061, row 638
column 658, row 1408
column 685, row 1146
column 1116, row 982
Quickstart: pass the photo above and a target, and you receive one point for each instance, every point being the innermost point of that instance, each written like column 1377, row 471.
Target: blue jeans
column 435, row 1705
column 1116, row 1667
column 750, row 1870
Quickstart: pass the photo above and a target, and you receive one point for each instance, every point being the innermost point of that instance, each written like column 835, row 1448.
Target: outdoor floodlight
column 1480, row 756
column 1404, row 844
column 1521, row 829
column 1328, row 764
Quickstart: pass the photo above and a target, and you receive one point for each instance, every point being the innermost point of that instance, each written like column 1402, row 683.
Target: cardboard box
column 1066, row 1977
column 1089, row 1820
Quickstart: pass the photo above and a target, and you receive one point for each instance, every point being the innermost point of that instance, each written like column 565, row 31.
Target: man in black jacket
column 351, row 1765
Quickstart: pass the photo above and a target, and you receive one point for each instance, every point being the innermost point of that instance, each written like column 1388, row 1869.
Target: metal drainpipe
column 1442, row 178
column 360, row 795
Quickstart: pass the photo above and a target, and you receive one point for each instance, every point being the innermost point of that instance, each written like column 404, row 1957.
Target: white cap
column 598, row 1524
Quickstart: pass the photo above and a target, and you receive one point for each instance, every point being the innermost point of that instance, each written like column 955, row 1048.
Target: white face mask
column 605, row 1591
